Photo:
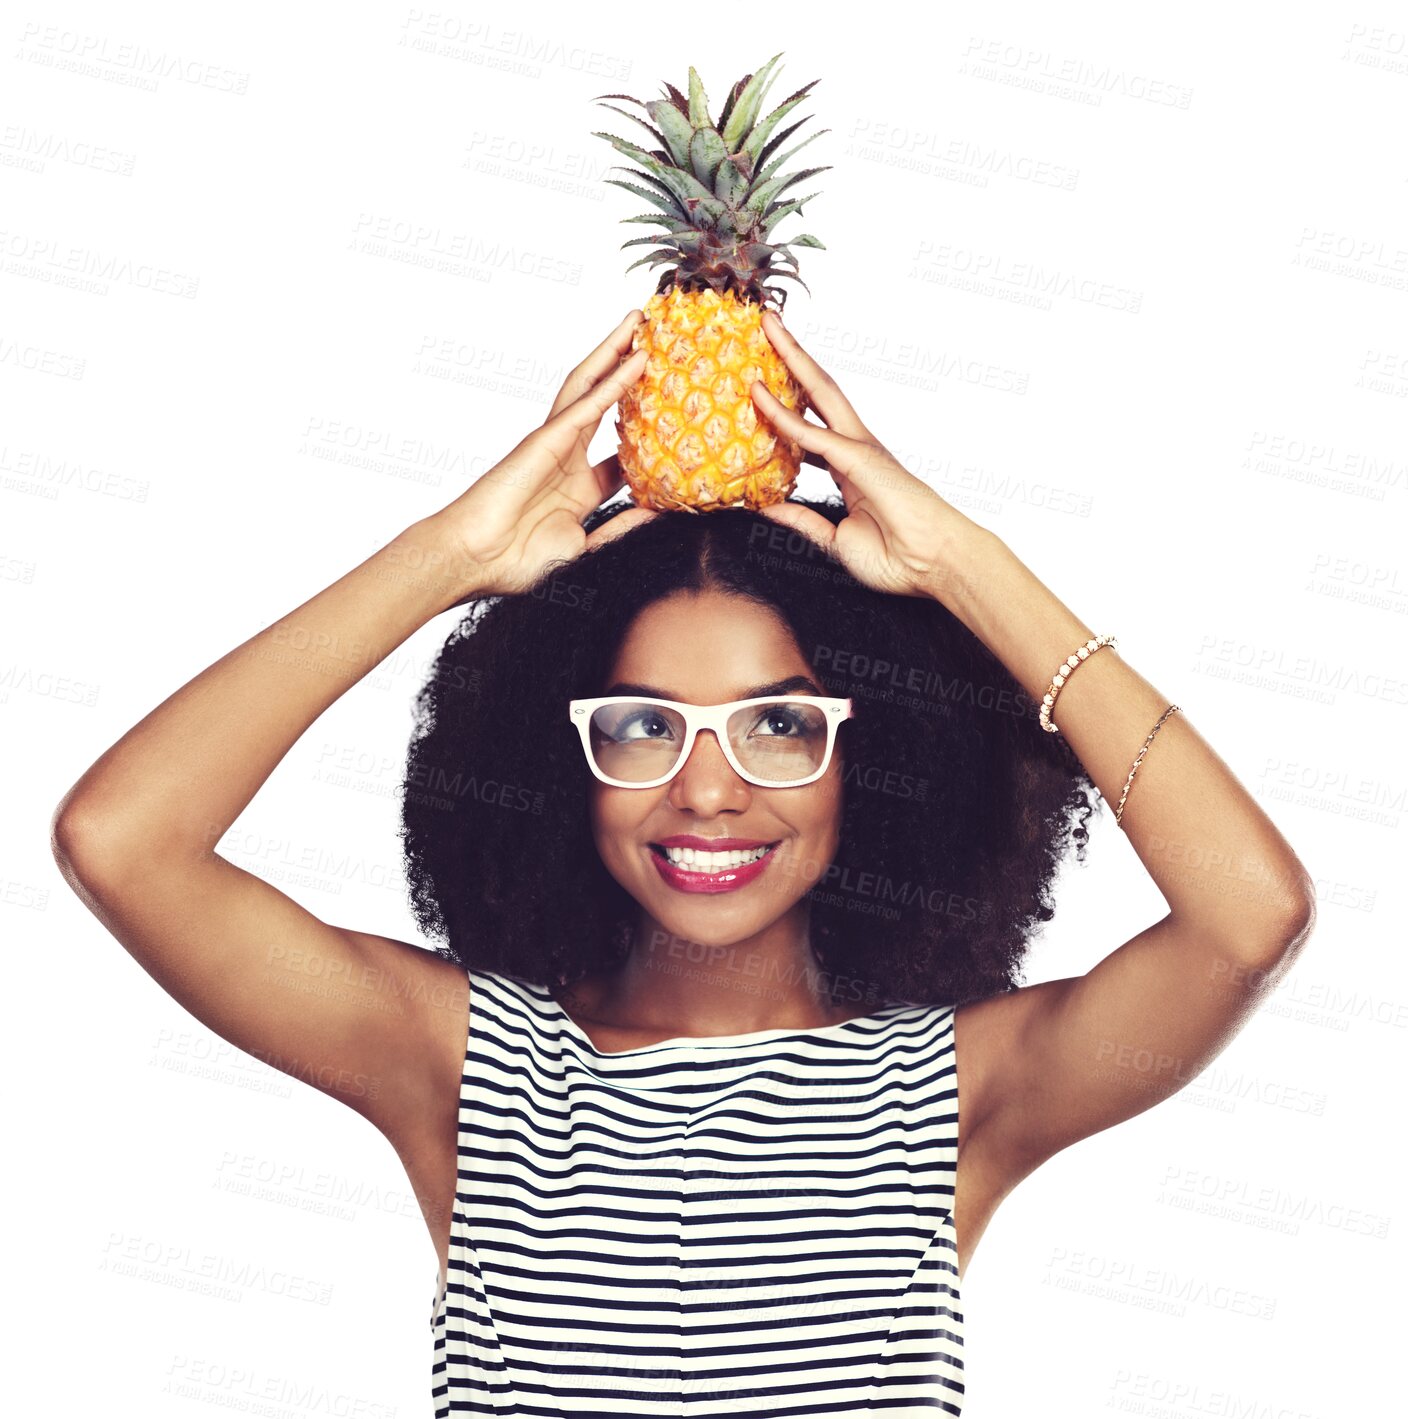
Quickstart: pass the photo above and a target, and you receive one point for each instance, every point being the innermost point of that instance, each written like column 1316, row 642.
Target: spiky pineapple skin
column 690, row 434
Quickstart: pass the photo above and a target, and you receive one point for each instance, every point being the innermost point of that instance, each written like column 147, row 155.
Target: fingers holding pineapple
column 823, row 393
column 607, row 356
column 526, row 512
column 892, row 536
column 615, row 348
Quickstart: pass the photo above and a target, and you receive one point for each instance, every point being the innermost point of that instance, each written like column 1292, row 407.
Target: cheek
column 599, row 816
column 833, row 786
column 615, row 819
column 830, row 812
column 818, row 816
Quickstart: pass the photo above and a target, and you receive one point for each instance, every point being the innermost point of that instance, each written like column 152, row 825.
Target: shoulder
column 987, row 1040
column 437, row 992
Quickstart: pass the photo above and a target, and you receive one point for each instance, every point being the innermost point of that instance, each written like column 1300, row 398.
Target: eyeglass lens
column 636, row 741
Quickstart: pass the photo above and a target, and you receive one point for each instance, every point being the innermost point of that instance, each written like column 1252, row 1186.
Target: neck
column 678, row 986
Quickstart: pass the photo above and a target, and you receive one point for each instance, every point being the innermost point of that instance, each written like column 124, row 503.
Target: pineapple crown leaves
column 772, row 167
column 706, row 152
column 689, row 193
column 676, row 129
column 762, row 199
column 741, row 111
column 665, row 202
column 717, row 187
column 698, row 100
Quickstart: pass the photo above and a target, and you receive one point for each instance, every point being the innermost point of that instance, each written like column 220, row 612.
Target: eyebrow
column 793, row 685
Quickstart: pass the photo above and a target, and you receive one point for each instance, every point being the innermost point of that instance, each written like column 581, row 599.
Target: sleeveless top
column 742, row 1225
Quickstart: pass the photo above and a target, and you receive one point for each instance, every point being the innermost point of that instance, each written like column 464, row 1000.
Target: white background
column 1128, row 287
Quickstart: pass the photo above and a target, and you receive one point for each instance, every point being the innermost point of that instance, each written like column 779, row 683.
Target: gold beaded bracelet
column 1138, row 758
column 1063, row 673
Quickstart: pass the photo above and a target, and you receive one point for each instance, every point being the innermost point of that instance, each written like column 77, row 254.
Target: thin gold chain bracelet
column 1138, row 758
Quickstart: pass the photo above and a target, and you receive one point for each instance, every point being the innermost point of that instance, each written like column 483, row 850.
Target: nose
column 706, row 782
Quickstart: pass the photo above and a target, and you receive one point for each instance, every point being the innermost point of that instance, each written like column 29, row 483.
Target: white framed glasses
column 773, row 741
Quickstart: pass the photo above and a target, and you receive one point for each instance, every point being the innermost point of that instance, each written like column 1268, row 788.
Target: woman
column 685, row 1126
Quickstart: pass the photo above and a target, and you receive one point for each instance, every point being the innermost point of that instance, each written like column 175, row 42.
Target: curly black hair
column 957, row 810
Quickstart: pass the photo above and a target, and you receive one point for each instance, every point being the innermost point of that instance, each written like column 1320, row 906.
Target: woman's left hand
column 896, row 526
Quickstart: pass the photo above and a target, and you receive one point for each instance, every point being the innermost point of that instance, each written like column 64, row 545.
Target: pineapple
column 690, row 437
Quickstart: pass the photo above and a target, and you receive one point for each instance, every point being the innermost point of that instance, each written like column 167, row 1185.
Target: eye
column 652, row 723
column 789, row 720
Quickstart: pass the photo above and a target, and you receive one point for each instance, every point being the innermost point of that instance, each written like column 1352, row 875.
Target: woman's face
column 706, row 648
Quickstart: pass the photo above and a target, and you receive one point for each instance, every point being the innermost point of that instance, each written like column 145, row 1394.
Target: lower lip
column 684, row 879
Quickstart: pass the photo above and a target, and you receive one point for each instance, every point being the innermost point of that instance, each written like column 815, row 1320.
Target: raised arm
column 1052, row 1063
column 136, row 839
column 1072, row 1057
column 136, row 836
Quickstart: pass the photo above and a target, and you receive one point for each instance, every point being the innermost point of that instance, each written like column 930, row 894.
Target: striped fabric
column 755, row 1224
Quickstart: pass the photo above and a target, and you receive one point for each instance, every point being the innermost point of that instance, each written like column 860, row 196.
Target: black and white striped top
column 742, row 1225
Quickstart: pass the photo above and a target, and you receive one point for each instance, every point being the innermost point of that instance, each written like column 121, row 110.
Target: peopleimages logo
column 887, row 781
column 932, row 685
column 1305, row 676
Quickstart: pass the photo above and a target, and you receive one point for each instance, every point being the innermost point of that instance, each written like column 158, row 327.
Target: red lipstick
column 726, row 879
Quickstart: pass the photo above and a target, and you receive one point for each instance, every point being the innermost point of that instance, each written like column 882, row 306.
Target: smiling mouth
column 664, row 856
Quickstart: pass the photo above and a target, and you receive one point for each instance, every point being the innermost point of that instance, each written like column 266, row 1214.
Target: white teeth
column 701, row 861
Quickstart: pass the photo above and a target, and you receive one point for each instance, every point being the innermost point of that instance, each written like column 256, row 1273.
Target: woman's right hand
column 526, row 512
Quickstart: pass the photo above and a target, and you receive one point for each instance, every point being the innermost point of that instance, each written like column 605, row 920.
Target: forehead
column 707, row 646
